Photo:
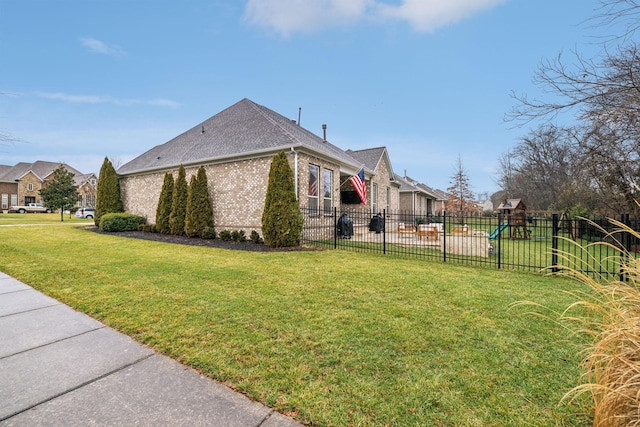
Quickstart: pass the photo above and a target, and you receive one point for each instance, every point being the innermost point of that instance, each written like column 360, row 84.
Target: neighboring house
column 21, row 184
column 486, row 206
column 419, row 199
column 236, row 147
column 87, row 189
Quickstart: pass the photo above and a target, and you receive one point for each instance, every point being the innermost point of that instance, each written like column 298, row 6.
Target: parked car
column 30, row 208
column 85, row 213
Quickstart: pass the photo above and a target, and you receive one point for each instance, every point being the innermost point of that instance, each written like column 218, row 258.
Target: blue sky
column 429, row 79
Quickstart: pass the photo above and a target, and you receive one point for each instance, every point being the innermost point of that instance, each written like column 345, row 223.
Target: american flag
column 359, row 185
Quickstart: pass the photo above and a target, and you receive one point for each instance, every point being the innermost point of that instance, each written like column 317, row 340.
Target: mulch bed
column 196, row 241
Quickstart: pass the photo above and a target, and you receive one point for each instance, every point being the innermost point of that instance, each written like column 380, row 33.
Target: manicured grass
column 40, row 218
column 330, row 337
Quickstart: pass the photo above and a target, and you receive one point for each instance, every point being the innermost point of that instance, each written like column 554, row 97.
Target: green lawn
column 330, row 337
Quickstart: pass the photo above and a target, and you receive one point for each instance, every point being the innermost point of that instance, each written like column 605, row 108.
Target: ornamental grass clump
column 608, row 315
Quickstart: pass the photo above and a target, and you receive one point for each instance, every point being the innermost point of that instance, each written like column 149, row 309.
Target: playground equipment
column 497, row 231
column 516, row 213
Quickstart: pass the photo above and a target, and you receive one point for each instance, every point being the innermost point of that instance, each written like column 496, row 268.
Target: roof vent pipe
column 202, row 131
column 324, row 133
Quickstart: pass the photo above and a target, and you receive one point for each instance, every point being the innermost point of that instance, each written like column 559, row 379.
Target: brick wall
column 237, row 190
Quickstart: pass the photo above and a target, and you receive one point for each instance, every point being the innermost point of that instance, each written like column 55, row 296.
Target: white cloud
column 97, row 46
column 290, row 16
column 429, row 15
column 93, row 99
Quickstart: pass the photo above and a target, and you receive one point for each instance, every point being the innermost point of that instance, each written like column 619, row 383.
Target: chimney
column 324, row 132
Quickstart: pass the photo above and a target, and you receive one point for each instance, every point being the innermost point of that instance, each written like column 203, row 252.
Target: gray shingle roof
column 243, row 130
column 41, row 168
column 369, row 157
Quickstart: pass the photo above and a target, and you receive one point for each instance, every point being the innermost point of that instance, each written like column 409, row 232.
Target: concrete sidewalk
column 61, row 367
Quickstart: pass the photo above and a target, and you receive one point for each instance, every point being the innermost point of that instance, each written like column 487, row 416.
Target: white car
column 85, row 213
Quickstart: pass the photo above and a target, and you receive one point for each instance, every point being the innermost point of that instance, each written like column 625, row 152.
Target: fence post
column 444, row 236
column 555, row 229
column 499, row 241
column 335, row 227
column 625, row 242
column 384, row 231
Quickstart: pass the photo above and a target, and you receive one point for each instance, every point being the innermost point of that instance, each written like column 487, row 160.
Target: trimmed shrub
column 281, row 218
column 255, row 237
column 209, row 233
column 199, row 214
column 114, row 222
column 108, row 197
column 225, row 235
column 179, row 203
column 238, row 236
column 163, row 211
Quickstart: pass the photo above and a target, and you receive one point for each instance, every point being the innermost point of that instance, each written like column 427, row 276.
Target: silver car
column 85, row 213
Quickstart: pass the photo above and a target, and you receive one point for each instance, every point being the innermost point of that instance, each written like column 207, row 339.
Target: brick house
column 418, row 198
column 236, row 147
column 21, row 184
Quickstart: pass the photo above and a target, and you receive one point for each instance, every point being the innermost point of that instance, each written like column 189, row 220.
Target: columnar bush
column 199, row 214
column 163, row 210
column 108, row 195
column 179, row 203
column 281, row 218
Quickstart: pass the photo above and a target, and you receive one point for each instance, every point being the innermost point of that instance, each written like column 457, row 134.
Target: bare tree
column 604, row 96
column 460, row 200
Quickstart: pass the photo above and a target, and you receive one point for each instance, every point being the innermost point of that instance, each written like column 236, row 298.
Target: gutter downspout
column 295, row 170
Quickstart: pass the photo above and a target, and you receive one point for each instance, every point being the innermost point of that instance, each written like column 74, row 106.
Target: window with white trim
column 314, row 176
column 327, row 190
column 30, row 187
column 388, row 199
column 5, row 201
column 374, row 198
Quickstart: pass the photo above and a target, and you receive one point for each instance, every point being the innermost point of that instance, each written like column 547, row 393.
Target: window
column 314, row 172
column 327, row 184
column 14, row 200
column 374, row 198
column 30, row 187
column 388, row 199
column 5, row 201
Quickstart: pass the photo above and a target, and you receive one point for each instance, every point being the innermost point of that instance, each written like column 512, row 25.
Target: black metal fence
column 524, row 242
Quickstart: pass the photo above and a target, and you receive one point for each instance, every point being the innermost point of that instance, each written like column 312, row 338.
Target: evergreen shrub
column 225, row 235
column 209, row 233
column 281, row 219
column 199, row 214
column 255, row 237
column 108, row 197
column 179, row 203
column 238, row 236
column 163, row 211
column 114, row 222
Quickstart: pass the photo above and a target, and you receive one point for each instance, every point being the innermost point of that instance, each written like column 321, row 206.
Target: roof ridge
column 260, row 109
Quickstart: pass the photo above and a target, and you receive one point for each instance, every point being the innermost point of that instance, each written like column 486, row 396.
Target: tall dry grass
column 608, row 315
